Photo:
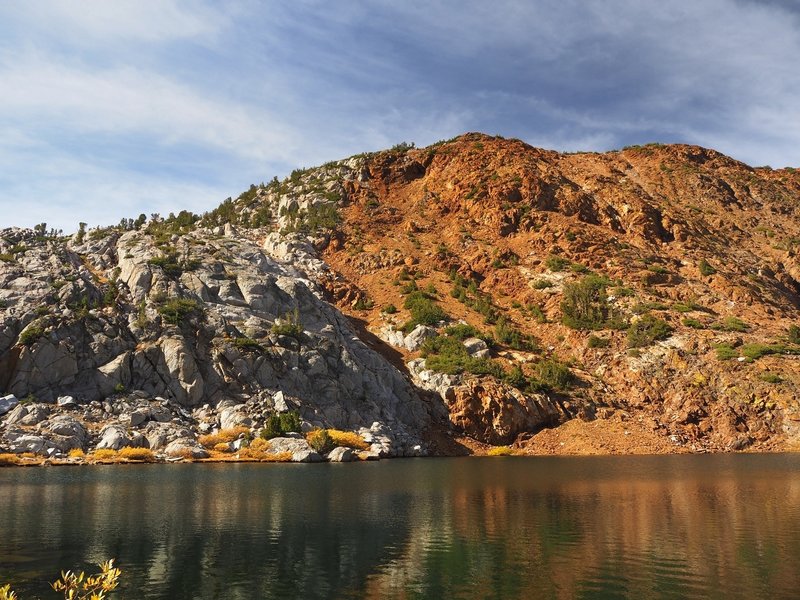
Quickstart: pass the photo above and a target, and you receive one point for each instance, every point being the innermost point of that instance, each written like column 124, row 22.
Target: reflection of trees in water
column 503, row 528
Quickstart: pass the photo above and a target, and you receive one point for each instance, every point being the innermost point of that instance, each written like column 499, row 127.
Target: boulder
column 476, row 347
column 185, row 448
column 414, row 340
column 7, row 403
column 113, row 437
column 66, row 402
column 234, row 417
column 287, row 444
column 67, row 426
column 306, row 456
column 139, row 416
column 341, row 454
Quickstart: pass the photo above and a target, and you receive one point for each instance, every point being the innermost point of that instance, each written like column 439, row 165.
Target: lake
column 710, row 526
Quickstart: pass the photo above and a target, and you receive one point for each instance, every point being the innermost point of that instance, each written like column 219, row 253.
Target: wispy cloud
column 117, row 108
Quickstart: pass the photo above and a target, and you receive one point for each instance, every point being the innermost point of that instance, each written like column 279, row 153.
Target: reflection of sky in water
column 542, row 527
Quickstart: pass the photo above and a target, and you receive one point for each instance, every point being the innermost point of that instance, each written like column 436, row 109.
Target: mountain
column 439, row 300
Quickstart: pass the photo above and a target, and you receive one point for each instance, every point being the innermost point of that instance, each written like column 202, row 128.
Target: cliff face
column 640, row 300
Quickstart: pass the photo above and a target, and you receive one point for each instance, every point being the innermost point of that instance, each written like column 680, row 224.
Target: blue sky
column 109, row 109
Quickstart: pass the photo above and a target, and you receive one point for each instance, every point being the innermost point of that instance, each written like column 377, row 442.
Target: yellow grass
column 143, row 454
column 500, row 451
column 76, row 453
column 280, row 457
column 348, row 439
column 222, row 447
column 8, row 459
column 226, row 435
column 260, row 445
column 104, row 454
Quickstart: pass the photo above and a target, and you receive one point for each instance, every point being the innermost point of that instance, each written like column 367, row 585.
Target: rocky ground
column 443, row 300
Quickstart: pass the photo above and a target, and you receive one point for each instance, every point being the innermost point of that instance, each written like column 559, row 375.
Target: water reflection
column 649, row 527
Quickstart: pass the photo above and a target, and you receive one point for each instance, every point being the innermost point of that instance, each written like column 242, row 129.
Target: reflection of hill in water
column 636, row 527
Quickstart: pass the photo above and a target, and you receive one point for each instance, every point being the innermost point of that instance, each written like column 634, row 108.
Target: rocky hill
column 478, row 292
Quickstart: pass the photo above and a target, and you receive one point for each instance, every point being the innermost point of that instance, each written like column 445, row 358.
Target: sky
column 109, row 109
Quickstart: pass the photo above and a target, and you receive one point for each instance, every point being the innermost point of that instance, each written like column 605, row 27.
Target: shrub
column 542, row 284
column 280, row 457
column 260, row 445
column 7, row 459
column 445, row 354
column 104, row 454
column 647, row 330
column 556, row 263
column 224, row 436
column 142, row 454
column 175, row 310
column 31, row 334
column 726, row 352
column 222, row 447
column 793, row 334
column 79, row 586
column 246, row 343
column 272, row 427
column 424, row 310
column 320, row 440
column 290, row 421
column 500, row 451
column 693, row 323
column 389, row 309
column 462, row 331
column 76, row 453
column 585, row 305
column 289, row 325
column 597, row 342
column 349, row 439
column 551, row 374
column 705, row 268
column 507, row 334
column 755, row 351
column 731, row 324
column 768, row 377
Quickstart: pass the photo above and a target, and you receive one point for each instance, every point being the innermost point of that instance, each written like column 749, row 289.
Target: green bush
column 272, row 427
column 176, row 310
column 246, row 343
column 597, row 342
column 551, row 374
column 556, row 263
column 320, row 440
column 731, row 324
column 768, row 377
column 726, row 352
column 647, row 330
column 424, row 310
column 793, row 334
column 289, row 325
column 585, row 305
column 290, row 422
column 693, row 323
column 31, row 334
column 705, row 268
column 507, row 334
column 389, row 309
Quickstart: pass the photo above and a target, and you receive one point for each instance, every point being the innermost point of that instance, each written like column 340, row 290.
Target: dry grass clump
column 226, row 435
column 76, row 453
column 260, row 445
column 222, row 447
column 500, row 451
column 279, row 457
column 348, row 439
column 8, row 459
column 140, row 454
column 104, row 454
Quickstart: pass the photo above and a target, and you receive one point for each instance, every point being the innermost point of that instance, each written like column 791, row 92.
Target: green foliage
column 81, row 233
column 272, row 427
column 290, row 422
column 247, row 344
column 705, row 268
column 320, row 440
column 31, row 334
column 726, row 352
column 389, row 309
column 754, row 351
column 768, row 377
column 556, row 263
column 793, row 334
column 551, row 374
column 585, row 305
column 172, row 264
column 319, row 216
column 693, row 323
column 542, row 284
column 462, row 331
column 731, row 324
column 595, row 341
column 507, row 334
column 647, row 330
column 424, row 310
column 466, row 291
column 176, row 310
column 446, row 354
column 6, row 257
column 119, row 388
column 289, row 324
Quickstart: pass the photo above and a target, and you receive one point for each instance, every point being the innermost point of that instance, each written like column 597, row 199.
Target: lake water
column 724, row 526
